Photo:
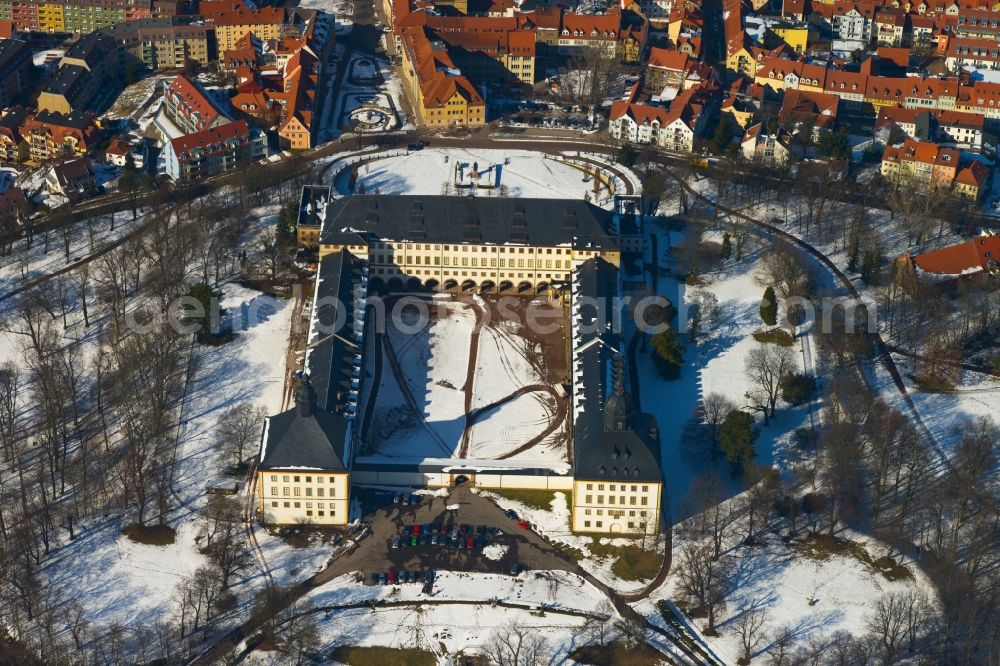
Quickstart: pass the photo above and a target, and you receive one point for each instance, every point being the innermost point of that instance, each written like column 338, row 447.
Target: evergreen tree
column 769, row 307
column 727, row 246
column 871, row 267
column 669, row 353
column 797, row 388
column 736, row 436
column 203, row 312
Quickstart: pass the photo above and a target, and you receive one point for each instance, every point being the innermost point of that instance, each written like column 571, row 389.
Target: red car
column 391, row 578
column 469, row 543
column 523, row 524
column 416, row 530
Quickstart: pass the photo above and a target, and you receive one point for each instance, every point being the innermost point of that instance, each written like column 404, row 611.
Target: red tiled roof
column 975, row 173
column 961, row 258
column 195, row 100
column 238, row 129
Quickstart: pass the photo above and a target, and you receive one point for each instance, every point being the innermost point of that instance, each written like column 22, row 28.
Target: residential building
column 815, row 110
column 441, row 94
column 672, row 128
column 53, row 135
column 954, row 129
column 770, row 148
column 676, row 70
column 190, row 107
column 890, row 26
column 920, row 165
column 300, row 78
column 16, row 69
column 849, row 21
column 11, row 123
column 233, row 20
column 72, row 178
column 89, row 76
column 795, row 36
column 972, row 256
column 220, row 149
column 973, row 181
column 164, row 43
column 657, row 11
column 13, row 208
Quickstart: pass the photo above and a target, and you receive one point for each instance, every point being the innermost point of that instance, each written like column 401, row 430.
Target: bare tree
column 517, row 645
column 765, row 365
column 703, row 580
column 714, row 408
column 784, row 269
column 748, row 627
column 239, row 429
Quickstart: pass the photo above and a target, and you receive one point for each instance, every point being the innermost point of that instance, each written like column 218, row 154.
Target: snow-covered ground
column 134, row 97
column 434, row 363
column 715, row 364
column 842, row 588
column 430, row 171
column 369, row 80
column 343, row 11
column 119, row 580
column 456, row 627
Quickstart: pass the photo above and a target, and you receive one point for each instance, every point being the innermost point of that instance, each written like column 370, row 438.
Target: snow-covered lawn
column 434, row 364
column 782, row 581
column 133, row 98
column 713, row 364
column 528, row 174
column 455, row 626
column 119, row 580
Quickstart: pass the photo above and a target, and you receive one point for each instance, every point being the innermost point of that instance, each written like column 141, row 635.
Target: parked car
column 413, row 540
column 416, row 530
column 391, row 577
column 375, row 578
column 480, row 542
column 443, row 529
column 382, row 579
column 510, row 513
column 469, row 543
column 515, row 569
column 398, row 499
column 395, row 543
column 523, row 524
column 429, row 577
column 414, row 500
column 407, row 530
column 455, row 534
column 434, row 539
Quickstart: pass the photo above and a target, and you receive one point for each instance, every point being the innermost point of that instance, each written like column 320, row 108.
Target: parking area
column 415, row 535
column 549, row 114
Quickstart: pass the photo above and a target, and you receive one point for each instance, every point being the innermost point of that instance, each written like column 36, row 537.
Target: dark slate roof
column 296, row 441
column 318, row 437
column 92, row 47
column 66, row 79
column 465, row 219
column 312, row 205
column 631, row 454
column 333, row 365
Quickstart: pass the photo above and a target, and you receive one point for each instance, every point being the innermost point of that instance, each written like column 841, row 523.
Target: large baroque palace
column 568, row 251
